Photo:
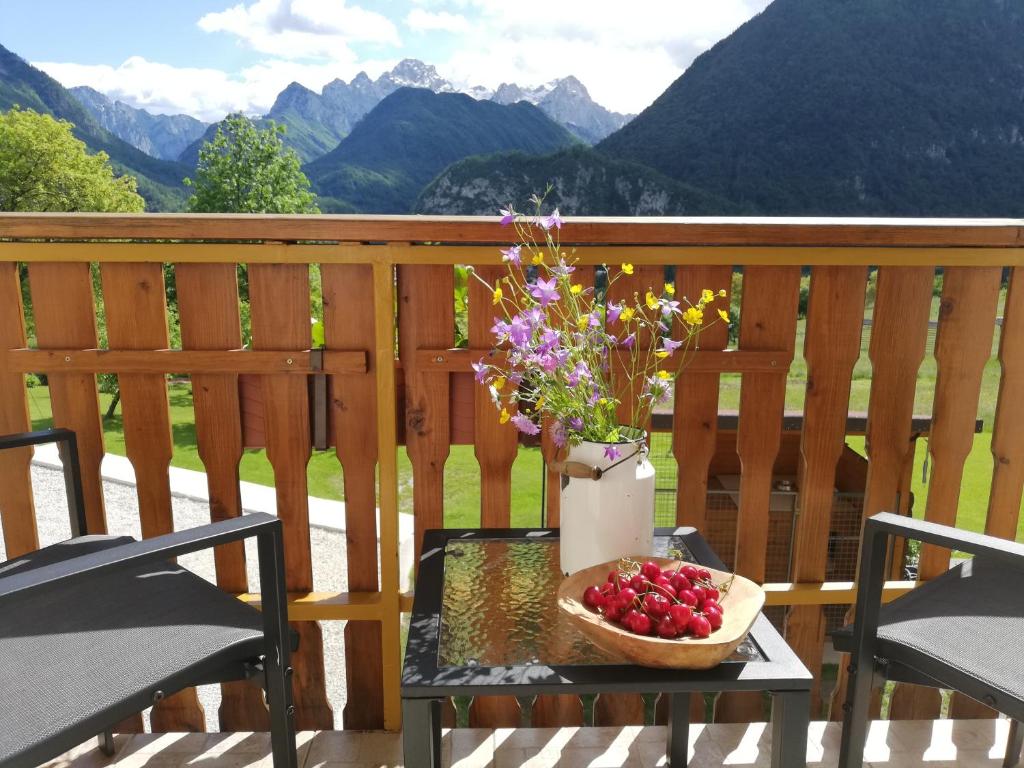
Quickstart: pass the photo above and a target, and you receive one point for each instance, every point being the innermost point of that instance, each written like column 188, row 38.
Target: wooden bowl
column 744, row 601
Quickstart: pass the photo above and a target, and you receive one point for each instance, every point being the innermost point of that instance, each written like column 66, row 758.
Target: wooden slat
column 17, row 509
column 617, row 709
column 208, row 310
column 899, row 331
column 174, row 361
column 768, row 314
column 62, row 305
column 914, row 702
column 963, row 345
column 495, row 447
column 136, row 313
column 485, row 229
column 1007, row 447
column 426, row 319
column 557, row 711
column 349, row 324
column 280, row 319
column 695, row 414
column 835, row 319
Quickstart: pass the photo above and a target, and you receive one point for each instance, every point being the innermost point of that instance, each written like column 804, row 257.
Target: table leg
column 421, row 733
column 791, row 715
column 678, row 729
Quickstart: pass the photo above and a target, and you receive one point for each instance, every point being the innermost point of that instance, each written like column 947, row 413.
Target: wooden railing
column 371, row 265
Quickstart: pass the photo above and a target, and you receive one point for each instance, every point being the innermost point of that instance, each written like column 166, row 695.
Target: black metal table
column 485, row 622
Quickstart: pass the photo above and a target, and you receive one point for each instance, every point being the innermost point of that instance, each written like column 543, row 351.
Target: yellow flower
column 576, row 290
column 603, row 401
column 627, row 269
column 693, row 316
column 538, row 259
column 505, row 416
column 499, row 383
column 539, row 403
column 497, row 295
column 664, row 375
column 583, row 322
column 670, row 289
column 706, row 296
column 724, row 315
column 661, row 354
column 721, row 293
column 652, row 301
column 627, row 314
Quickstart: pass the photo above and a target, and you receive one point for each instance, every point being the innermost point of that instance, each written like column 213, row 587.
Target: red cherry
column 666, row 590
column 592, row 597
column 608, row 589
column 612, row 612
column 704, row 573
column 629, row 617
column 680, row 582
column 711, row 593
column 698, row 593
column 699, row 626
column 687, row 596
column 690, row 572
column 710, row 605
column 655, row 605
column 613, row 577
column 714, row 618
column 667, row 628
column 638, row 583
column 680, row 615
column 622, row 581
column 642, row 624
column 626, row 596
column 650, row 570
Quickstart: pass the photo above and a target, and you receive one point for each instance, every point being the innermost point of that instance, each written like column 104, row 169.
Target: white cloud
column 302, row 29
column 441, row 21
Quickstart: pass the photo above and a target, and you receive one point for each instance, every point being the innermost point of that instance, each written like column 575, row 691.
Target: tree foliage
column 43, row 167
column 246, row 169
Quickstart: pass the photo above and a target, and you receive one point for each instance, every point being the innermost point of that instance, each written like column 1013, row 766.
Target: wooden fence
column 387, row 275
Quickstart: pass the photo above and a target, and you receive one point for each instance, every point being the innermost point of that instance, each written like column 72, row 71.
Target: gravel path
column 123, row 518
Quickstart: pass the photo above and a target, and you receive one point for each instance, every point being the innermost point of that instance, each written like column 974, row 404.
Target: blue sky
column 205, row 57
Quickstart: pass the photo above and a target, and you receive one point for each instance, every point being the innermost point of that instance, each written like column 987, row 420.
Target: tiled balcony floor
column 906, row 744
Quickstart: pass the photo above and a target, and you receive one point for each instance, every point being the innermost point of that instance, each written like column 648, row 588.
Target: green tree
column 43, row 167
column 246, row 169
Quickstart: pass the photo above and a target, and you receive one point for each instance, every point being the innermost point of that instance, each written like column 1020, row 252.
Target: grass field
column 462, row 476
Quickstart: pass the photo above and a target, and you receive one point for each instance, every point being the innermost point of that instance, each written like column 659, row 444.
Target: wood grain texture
column 63, row 308
column 426, row 318
column 209, row 314
column 134, row 300
column 835, row 319
column 486, row 229
column 1007, row 447
column 914, row 702
column 280, row 320
column 768, row 317
column 695, row 414
column 556, row 711
column 17, row 508
column 495, row 445
column 963, row 344
column 349, row 325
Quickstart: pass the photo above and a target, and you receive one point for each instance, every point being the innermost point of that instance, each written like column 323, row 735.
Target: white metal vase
column 607, row 505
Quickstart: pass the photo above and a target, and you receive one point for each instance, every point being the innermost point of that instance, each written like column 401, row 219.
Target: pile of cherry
column 669, row 604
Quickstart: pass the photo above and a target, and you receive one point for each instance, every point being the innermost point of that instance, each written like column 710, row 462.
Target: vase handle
column 576, row 469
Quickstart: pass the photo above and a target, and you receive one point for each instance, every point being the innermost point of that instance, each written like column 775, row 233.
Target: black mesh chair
column 961, row 631
column 98, row 628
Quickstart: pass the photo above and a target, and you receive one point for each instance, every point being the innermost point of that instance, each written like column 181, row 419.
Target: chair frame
column 865, row 665
column 276, row 669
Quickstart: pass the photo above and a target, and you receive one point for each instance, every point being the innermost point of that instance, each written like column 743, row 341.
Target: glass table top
column 499, row 607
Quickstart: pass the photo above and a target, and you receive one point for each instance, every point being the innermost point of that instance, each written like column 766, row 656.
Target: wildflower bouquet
column 560, row 342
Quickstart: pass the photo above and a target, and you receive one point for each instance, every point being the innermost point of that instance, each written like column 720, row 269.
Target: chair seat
column 77, row 651
column 962, row 629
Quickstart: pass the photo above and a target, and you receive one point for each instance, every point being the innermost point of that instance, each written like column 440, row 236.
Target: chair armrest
column 139, row 552
column 67, row 443
column 944, row 536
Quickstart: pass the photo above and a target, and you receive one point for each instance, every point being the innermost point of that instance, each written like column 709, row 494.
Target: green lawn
column 462, row 475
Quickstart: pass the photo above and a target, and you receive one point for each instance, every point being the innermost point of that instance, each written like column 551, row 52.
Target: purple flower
column 535, row 317
column 562, row 269
column 500, row 329
column 552, row 221
column 576, row 424
column 515, row 378
column 519, row 331
column 558, row 436
column 582, row 370
column 595, row 320
column 481, row 371
column 611, row 452
column 545, row 291
column 668, row 307
column 548, row 340
column 524, row 425
column 548, row 362
column 513, row 255
column 507, row 217
column 629, row 341
column 614, row 310
column 670, row 346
